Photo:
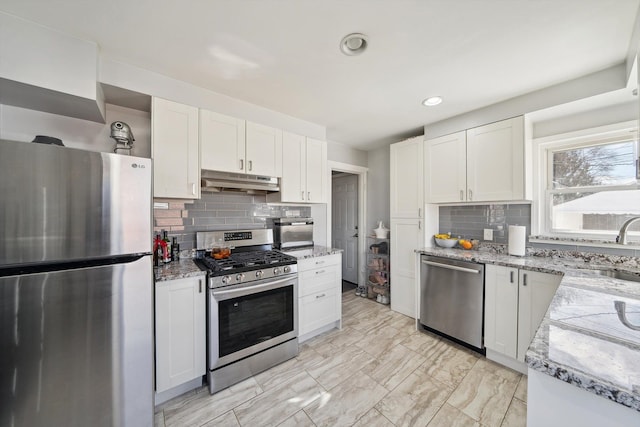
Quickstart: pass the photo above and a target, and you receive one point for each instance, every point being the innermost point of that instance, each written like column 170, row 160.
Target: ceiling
column 284, row 54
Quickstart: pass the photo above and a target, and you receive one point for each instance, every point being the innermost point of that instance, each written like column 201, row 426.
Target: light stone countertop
column 581, row 339
column 312, row 252
column 181, row 269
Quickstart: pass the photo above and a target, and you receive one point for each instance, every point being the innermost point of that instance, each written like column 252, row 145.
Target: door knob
column 355, row 235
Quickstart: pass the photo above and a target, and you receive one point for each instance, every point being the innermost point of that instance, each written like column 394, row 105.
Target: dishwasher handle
column 452, row 267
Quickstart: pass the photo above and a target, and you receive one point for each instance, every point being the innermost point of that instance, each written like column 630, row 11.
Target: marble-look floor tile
column 521, row 391
column 299, row 419
column 279, row 403
column 421, row 342
column 415, row 401
column 226, row 420
column 344, row 404
column 344, row 364
column 485, row 393
column 373, row 418
column 288, row 369
column 204, row 407
column 393, row 366
column 447, row 362
column 378, row 340
column 158, row 419
column 516, row 415
column 448, row 416
column 402, row 322
column 346, row 337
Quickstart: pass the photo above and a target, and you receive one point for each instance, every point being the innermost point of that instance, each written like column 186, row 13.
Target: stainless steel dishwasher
column 452, row 299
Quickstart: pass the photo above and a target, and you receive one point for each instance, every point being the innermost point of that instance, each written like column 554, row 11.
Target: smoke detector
column 353, row 44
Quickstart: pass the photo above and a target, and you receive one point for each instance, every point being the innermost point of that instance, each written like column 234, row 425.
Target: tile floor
column 377, row 371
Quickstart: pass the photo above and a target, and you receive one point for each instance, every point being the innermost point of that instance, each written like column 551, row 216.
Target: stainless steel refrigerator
column 76, row 288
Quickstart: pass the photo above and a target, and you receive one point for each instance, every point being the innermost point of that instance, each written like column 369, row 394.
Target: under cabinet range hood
column 215, row 182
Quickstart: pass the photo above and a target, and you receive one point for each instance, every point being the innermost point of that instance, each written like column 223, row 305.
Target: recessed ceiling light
column 431, row 101
column 353, row 44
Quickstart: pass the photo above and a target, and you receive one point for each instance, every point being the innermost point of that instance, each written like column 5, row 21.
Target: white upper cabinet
column 304, row 170
column 482, row 164
column 229, row 144
column 495, row 161
column 174, row 149
column 445, row 164
column 406, row 172
column 222, row 142
column 316, row 173
column 263, row 150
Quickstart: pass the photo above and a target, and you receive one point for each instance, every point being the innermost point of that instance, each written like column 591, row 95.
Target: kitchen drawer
column 318, row 309
column 319, row 262
column 319, row 279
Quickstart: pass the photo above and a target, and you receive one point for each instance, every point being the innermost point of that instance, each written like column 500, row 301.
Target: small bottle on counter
column 158, row 253
column 167, row 252
column 175, row 249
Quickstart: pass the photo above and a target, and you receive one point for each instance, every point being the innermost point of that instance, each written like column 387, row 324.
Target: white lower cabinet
column 515, row 303
column 319, row 295
column 180, row 331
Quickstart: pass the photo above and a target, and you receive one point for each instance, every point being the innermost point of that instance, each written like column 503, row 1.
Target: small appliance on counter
column 292, row 232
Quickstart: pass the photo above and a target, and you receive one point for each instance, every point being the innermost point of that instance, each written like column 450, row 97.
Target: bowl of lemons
column 445, row 240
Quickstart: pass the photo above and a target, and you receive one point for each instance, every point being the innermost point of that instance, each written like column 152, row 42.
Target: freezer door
column 77, row 347
column 60, row 203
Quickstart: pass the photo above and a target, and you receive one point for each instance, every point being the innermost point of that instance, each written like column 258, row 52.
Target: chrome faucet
column 622, row 234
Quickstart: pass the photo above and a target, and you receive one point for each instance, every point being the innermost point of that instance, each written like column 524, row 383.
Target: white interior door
column 344, row 230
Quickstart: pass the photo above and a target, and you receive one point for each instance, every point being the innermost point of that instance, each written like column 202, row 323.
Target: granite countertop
column 582, row 339
column 177, row 270
column 312, row 252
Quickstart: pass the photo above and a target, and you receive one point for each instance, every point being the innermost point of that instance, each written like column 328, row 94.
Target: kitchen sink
column 618, row 274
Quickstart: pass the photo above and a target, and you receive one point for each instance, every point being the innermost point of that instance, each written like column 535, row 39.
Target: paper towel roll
column 517, row 240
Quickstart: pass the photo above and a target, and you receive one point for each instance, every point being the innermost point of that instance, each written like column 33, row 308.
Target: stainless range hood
column 215, row 182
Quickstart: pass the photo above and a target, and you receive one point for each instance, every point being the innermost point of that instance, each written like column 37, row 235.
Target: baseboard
column 165, row 396
column 507, row 361
column 333, row 325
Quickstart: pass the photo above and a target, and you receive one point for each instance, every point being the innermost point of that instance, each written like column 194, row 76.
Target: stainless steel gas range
column 252, row 309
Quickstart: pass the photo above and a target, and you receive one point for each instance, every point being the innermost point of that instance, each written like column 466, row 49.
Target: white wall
column 148, row 82
column 21, row 124
column 378, row 187
column 604, row 81
column 587, row 119
column 337, row 152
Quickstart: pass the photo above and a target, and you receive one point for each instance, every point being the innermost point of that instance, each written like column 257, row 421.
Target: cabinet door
column 406, row 175
column 495, row 161
column 445, row 163
column 501, row 309
column 294, row 168
column 316, row 171
column 180, row 331
column 317, row 310
column 264, row 150
column 535, row 294
column 406, row 237
column 174, row 149
column 222, row 142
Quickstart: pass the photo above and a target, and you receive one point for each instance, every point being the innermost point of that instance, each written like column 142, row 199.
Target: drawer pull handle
column 319, row 262
column 511, row 276
column 320, row 271
column 321, row 296
column 524, row 280
column 200, row 286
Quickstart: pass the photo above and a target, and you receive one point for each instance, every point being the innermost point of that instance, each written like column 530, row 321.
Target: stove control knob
column 276, row 271
column 287, row 269
column 259, row 274
column 239, row 277
column 226, row 280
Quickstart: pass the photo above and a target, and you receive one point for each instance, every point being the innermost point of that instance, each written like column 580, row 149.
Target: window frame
column 542, row 157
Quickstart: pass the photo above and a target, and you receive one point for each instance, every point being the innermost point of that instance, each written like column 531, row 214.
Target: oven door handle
column 225, row 294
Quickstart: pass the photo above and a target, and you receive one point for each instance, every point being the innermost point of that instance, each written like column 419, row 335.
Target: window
column 590, row 183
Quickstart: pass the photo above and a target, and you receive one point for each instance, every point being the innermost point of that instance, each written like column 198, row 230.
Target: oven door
column 246, row 319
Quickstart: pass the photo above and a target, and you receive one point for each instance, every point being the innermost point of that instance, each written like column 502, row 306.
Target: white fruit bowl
column 446, row 243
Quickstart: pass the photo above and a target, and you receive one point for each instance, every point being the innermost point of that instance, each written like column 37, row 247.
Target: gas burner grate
column 247, row 261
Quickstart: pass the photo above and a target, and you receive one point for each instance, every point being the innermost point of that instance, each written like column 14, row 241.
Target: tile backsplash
column 470, row 221
column 217, row 211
